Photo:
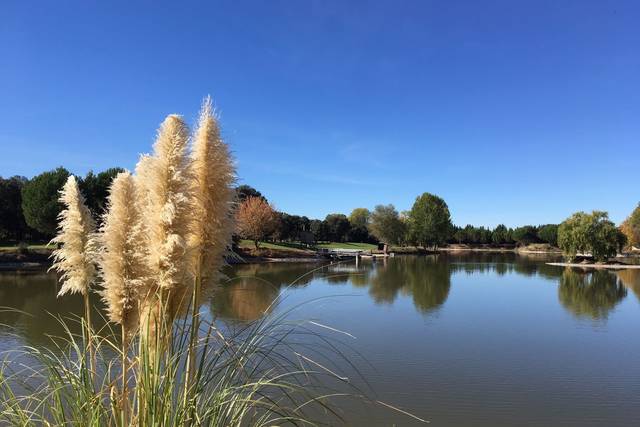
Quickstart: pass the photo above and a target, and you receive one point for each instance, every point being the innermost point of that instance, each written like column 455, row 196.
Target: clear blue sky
column 512, row 111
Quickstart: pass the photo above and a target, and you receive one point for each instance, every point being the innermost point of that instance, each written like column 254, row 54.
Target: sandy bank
column 604, row 266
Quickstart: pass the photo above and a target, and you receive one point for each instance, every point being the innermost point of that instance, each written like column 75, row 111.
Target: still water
column 459, row 340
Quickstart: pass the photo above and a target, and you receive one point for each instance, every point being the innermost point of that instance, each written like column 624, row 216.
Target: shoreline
column 600, row 266
column 38, row 260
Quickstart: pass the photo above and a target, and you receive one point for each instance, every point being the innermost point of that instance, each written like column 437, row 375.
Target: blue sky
column 514, row 112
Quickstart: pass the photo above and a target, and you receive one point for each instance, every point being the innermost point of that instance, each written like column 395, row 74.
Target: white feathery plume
column 163, row 182
column 76, row 256
column 123, row 258
column 213, row 176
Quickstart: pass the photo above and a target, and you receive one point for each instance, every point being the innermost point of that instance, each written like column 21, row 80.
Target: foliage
column 359, row 217
column 429, row 221
column 549, row 234
column 500, row 234
column 320, row 230
column 631, row 227
column 12, row 223
column 359, row 220
column 386, row 225
column 40, row 203
column 245, row 191
column 95, row 189
column 590, row 233
column 337, row 227
column 525, row 235
column 256, row 219
column 290, row 227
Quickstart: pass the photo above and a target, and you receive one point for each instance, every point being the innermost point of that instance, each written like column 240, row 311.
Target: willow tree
column 593, row 234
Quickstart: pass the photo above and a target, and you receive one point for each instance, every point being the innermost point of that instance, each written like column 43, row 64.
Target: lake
column 482, row 339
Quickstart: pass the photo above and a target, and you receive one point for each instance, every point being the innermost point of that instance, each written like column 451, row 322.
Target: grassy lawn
column 248, row 244
column 295, row 246
column 347, row 245
column 14, row 247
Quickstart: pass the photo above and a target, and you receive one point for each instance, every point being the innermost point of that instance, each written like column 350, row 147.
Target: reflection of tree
column 426, row 279
column 590, row 294
column 631, row 279
column 252, row 288
column 277, row 274
column 34, row 307
column 387, row 280
column 501, row 263
column 244, row 299
column 430, row 282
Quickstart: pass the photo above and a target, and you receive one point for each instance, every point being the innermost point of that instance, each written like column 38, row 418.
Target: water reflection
column 592, row 293
column 502, row 263
column 30, row 307
column 250, row 291
column 426, row 279
column 631, row 279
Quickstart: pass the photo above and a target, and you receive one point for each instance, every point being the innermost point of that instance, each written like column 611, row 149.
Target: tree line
column 427, row 224
column 29, row 209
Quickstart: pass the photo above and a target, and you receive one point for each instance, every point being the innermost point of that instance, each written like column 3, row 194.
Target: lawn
column 296, row 246
column 347, row 245
column 288, row 246
column 7, row 247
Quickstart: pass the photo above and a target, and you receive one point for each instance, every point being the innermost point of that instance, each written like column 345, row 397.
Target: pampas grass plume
column 164, row 181
column 75, row 258
column 123, row 260
column 213, row 176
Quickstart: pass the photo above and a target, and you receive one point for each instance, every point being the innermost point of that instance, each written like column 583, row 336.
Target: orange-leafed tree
column 256, row 219
column 631, row 228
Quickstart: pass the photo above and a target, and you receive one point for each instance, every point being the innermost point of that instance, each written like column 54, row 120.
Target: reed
column 212, row 180
column 162, row 242
column 75, row 255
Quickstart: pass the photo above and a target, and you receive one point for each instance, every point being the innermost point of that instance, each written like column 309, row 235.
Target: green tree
column 12, row 223
column 286, row 228
column 319, row 230
column 95, row 189
column 429, row 221
column 386, row 225
column 359, row 217
column 359, row 220
column 337, row 226
column 499, row 234
column 590, row 233
column 525, row 235
column 549, row 234
column 40, row 203
column 246, row 191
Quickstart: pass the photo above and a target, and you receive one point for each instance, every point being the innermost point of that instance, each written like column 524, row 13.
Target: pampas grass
column 123, row 263
column 76, row 252
column 212, row 182
column 75, row 256
column 163, row 240
column 164, row 181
